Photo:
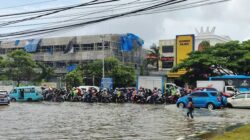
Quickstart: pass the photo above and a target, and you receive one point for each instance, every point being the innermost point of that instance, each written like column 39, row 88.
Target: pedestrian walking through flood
column 190, row 108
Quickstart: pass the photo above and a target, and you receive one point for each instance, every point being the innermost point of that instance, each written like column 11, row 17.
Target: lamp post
column 103, row 63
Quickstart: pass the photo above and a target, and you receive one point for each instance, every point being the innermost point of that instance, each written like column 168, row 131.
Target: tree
column 123, row 75
column 74, row 78
column 203, row 45
column 47, row 72
column 3, row 75
column 154, row 56
column 232, row 55
column 233, row 52
column 198, row 66
column 19, row 66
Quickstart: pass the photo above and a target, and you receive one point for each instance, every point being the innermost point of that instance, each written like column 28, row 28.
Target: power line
column 170, row 2
column 53, row 12
column 28, row 4
column 152, row 7
column 93, row 2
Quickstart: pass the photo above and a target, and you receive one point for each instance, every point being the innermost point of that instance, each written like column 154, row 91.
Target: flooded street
column 110, row 121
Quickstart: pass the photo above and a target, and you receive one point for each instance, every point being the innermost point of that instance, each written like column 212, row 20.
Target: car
column 204, row 89
column 239, row 101
column 203, row 99
column 4, row 98
column 25, row 93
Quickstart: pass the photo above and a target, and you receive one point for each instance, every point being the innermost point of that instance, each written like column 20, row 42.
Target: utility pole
column 103, row 63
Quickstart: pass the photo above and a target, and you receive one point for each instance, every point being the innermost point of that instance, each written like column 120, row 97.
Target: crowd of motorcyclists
column 118, row 95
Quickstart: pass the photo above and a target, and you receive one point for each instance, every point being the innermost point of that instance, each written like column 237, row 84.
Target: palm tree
column 154, row 56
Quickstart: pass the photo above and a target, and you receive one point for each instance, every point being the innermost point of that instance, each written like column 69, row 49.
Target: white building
column 210, row 36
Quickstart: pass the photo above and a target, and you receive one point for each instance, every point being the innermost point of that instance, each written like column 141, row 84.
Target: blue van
column 25, row 93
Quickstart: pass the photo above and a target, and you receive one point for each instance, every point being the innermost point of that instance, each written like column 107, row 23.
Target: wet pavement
column 46, row 121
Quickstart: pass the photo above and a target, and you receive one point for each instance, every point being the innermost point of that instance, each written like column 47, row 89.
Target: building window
column 2, row 51
column 76, row 47
column 167, row 65
column 167, row 49
column 100, row 46
column 60, row 64
column 87, row 47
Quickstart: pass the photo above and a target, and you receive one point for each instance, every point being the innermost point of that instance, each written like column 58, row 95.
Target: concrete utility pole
column 103, row 63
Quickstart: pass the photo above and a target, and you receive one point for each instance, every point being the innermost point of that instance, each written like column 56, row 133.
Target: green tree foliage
column 74, row 78
column 203, row 45
column 231, row 55
column 47, row 72
column 19, row 66
column 123, row 75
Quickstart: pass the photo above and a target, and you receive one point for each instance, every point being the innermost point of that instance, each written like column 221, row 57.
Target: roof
column 232, row 77
column 22, row 87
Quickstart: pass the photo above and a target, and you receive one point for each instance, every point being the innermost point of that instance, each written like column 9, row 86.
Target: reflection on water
column 110, row 121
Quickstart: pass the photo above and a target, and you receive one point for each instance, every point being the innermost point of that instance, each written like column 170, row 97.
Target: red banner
column 151, row 56
column 170, row 59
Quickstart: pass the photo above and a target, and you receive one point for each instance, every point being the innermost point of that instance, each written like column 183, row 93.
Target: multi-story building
column 167, row 51
column 167, row 48
column 53, row 51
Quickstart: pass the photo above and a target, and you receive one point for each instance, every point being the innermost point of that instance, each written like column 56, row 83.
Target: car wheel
column 181, row 105
column 210, row 106
column 13, row 100
column 229, row 105
column 29, row 100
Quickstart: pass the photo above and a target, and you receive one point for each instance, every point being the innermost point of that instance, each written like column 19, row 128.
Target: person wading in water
column 190, row 108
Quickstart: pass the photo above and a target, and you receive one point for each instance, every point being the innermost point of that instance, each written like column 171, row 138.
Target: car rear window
column 214, row 93
column 199, row 94
column 211, row 89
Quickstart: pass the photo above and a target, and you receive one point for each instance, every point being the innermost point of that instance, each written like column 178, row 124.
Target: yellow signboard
column 184, row 45
column 176, row 74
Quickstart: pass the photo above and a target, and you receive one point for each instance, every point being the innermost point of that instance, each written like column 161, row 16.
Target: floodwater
column 47, row 121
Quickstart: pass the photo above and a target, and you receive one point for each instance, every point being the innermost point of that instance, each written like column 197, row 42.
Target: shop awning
column 176, row 74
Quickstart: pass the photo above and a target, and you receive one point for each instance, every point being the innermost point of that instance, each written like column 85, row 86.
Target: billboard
column 107, row 83
column 184, row 45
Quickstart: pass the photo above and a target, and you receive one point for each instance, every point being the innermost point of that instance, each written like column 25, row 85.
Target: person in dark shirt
column 22, row 93
column 190, row 108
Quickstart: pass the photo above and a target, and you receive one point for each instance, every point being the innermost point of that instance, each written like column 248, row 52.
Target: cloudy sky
column 230, row 18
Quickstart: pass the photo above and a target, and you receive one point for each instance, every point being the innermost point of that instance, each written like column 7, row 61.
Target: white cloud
column 231, row 18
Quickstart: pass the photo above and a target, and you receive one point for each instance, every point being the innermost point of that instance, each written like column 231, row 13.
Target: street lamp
column 103, row 64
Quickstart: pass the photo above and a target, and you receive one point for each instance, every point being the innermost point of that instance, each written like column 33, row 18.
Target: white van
column 86, row 88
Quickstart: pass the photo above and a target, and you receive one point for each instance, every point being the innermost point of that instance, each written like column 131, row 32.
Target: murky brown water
column 46, row 121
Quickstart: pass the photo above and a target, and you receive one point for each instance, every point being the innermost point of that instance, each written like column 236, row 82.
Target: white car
column 4, row 98
column 239, row 101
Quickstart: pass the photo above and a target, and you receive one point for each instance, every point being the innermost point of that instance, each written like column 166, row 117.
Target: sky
column 230, row 18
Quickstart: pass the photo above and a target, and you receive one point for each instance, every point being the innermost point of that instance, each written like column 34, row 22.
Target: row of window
column 167, row 65
column 58, row 48
column 167, row 49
